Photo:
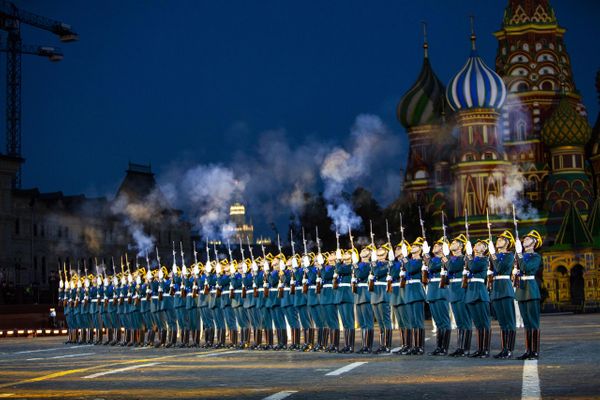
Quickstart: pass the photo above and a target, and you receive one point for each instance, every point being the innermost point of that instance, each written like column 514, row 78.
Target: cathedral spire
column 473, row 36
column 425, row 42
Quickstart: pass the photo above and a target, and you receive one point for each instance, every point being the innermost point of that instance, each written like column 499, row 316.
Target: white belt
column 312, row 287
column 480, row 280
column 155, row 297
column 189, row 295
column 143, row 299
column 328, row 285
column 527, row 277
column 380, row 283
column 286, row 289
column 413, row 281
column 502, row 277
column 396, row 284
column 94, row 300
column 363, row 285
column 435, row 279
column 344, row 285
column 238, row 291
column 166, row 295
column 213, row 291
column 455, row 280
column 178, row 293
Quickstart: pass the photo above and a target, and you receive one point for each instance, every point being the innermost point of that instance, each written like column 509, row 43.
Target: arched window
column 421, row 174
column 521, row 130
column 525, row 47
column 547, row 85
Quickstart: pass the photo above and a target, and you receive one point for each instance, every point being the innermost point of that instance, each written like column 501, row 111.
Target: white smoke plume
column 344, row 169
column 134, row 215
column 513, row 193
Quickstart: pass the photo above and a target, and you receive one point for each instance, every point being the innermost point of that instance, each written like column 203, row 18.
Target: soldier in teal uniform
column 158, row 298
column 265, row 294
column 456, row 267
column 251, row 304
column 216, row 292
column 380, row 299
column 204, row 296
column 226, row 302
column 477, row 297
column 300, row 304
column 398, row 297
column 362, row 300
column 415, row 295
column 312, row 301
column 327, row 301
column 192, row 291
column 86, row 321
column 145, row 294
column 237, row 303
column 274, row 302
column 63, row 299
column 179, row 303
column 344, row 299
column 437, row 297
column 95, row 310
column 528, row 292
column 168, row 307
column 113, row 297
column 503, row 294
column 287, row 302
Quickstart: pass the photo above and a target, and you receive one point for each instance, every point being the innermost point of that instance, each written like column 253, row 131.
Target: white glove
column 245, row 268
column 490, row 272
column 391, row 255
column 518, row 246
column 320, row 259
column 404, row 250
column 491, row 248
column 354, row 258
column 424, row 267
column 98, row 281
column 445, row 249
column 266, row 265
column 232, row 269
column 130, row 279
column 304, row 281
column 254, row 266
column 115, row 281
column 61, row 284
column 373, row 256
column 306, row 261
column 338, row 254
column 402, row 273
column 219, row 268
column 160, row 274
column 294, row 263
column 388, row 278
column 281, row 265
column 208, row 268
column 426, row 248
column 469, row 248
column 371, row 277
column 443, row 272
column 105, row 282
column 335, row 275
column 184, row 271
column 138, row 280
column 515, row 272
column 123, row 281
column 87, row 283
column 319, row 280
column 465, row 272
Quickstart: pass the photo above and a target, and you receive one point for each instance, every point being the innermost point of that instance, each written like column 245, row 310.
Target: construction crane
column 11, row 19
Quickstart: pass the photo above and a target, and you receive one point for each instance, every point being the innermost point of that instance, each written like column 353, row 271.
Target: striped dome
column 423, row 103
column 476, row 86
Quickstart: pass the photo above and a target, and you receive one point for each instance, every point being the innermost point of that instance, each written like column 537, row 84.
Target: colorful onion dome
column 476, row 85
column 566, row 127
column 423, row 103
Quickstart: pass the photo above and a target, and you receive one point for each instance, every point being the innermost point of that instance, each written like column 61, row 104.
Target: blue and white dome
column 476, row 86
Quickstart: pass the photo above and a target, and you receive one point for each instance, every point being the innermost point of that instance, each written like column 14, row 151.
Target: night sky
column 161, row 81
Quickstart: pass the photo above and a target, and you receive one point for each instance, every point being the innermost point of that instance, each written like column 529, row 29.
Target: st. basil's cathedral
column 516, row 133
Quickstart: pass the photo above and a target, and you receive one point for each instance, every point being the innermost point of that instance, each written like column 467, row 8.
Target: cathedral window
column 538, row 46
column 421, row 174
column 521, row 130
column 548, row 85
column 567, row 162
column 525, row 47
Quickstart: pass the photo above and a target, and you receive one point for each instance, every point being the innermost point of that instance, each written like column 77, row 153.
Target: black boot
column 438, row 343
column 460, row 340
column 445, row 342
column 528, row 339
column 381, row 348
column 504, row 344
column 535, row 344
column 389, row 337
column 351, row 340
column 467, row 345
column 420, row 342
column 336, row 341
column 487, row 338
column 132, row 337
column 326, row 334
column 408, row 348
column 319, row 343
column 480, row 340
column 510, row 346
column 370, row 338
column 258, row 338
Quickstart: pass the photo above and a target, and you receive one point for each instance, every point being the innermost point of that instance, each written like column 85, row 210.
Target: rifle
column 444, row 277
column 160, row 277
column 424, row 272
column 516, row 278
column 338, row 256
column 354, row 282
column 138, row 287
column 231, row 289
column 490, row 276
column 86, row 287
column 254, row 286
column 218, row 288
column 372, row 277
column 195, row 271
column 129, row 280
column 402, row 276
column 243, row 274
column 389, row 239
column 173, row 273
column 294, row 267
column 206, row 285
column 148, row 278
column 281, row 273
column 183, row 272
column 265, row 273
column 304, row 278
column 465, row 277
column 319, row 260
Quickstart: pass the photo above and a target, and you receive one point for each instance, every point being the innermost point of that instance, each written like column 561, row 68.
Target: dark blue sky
column 157, row 81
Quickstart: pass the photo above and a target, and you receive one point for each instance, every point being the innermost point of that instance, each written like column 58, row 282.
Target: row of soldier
column 311, row 293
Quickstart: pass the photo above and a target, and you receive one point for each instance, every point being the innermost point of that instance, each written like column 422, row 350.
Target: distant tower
column 480, row 164
column 243, row 230
column 532, row 60
column 421, row 112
